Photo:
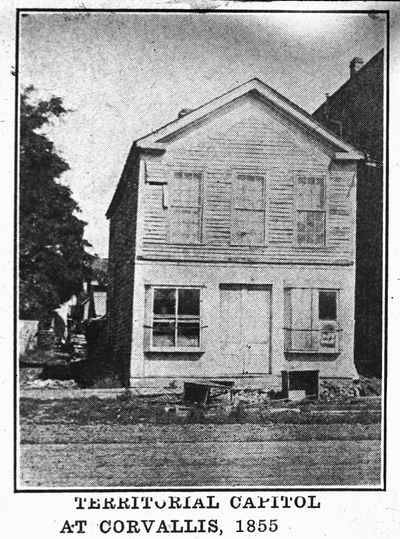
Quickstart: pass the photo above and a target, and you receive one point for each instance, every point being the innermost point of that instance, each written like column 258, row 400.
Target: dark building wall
column 121, row 272
column 369, row 288
column 356, row 112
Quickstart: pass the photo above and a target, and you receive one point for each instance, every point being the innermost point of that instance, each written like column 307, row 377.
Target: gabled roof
column 157, row 140
column 264, row 92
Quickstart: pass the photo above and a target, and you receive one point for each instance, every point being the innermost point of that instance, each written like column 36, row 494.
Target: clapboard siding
column 252, row 145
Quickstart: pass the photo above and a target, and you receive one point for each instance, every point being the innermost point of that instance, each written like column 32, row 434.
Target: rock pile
column 361, row 387
column 52, row 384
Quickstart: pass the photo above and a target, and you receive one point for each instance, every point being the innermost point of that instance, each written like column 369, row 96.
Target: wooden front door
column 245, row 328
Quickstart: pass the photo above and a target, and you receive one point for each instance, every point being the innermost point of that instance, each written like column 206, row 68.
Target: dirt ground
column 161, row 464
column 72, row 438
column 194, row 455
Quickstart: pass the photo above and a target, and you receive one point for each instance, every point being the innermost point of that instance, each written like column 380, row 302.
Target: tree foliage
column 52, row 259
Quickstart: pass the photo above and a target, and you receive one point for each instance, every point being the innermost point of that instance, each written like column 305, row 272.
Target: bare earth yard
column 88, row 444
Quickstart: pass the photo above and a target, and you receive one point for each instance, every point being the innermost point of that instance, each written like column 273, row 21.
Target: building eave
column 254, row 86
column 344, row 156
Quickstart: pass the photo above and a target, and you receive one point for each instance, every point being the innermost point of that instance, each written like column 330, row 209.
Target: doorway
column 245, row 328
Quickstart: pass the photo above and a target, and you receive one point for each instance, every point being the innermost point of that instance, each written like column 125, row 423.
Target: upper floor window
column 248, row 219
column 311, row 210
column 185, row 207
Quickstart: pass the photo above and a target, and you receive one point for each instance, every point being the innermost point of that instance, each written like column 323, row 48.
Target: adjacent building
column 232, row 247
column 90, row 303
column 356, row 113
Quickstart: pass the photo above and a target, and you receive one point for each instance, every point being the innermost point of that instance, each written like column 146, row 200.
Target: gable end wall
column 250, row 146
column 122, row 250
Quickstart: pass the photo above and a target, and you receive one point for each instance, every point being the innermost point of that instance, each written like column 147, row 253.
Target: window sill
column 309, row 246
column 265, row 244
column 187, row 244
column 314, row 352
column 176, row 350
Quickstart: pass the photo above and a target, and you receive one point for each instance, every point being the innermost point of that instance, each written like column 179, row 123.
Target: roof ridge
column 201, row 106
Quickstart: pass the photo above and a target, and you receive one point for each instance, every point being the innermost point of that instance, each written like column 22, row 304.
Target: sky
column 126, row 74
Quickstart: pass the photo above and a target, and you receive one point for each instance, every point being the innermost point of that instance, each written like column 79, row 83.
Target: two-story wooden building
column 232, row 246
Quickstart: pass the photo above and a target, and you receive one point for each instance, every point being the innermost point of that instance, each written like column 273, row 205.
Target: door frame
column 254, row 286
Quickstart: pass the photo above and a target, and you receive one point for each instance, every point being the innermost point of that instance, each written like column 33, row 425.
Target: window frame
column 264, row 209
column 186, row 170
column 330, row 291
column 316, row 324
column 173, row 349
column 298, row 208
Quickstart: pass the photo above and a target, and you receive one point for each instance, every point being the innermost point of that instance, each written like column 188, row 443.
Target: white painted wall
column 210, row 276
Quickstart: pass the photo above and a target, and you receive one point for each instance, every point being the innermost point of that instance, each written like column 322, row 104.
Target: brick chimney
column 183, row 112
column 355, row 65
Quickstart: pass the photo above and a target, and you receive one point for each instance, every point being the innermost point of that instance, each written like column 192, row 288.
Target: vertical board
column 245, row 319
column 231, row 348
column 256, row 329
column 301, row 318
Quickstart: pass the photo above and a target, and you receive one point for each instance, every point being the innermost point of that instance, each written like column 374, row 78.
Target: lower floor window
column 176, row 317
column 311, row 320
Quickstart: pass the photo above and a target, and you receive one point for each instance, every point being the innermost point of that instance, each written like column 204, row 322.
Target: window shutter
column 154, row 172
column 248, row 225
column 185, row 202
column 147, row 318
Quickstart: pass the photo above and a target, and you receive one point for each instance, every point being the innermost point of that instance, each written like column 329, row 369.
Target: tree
column 53, row 262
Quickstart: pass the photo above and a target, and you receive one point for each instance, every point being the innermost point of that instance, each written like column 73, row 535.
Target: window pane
column 185, row 225
column 327, row 305
column 311, row 227
column 302, row 180
column 310, row 220
column 186, row 189
column 163, row 334
column 301, row 239
column 250, row 192
column 164, row 301
column 188, row 334
column 310, row 193
column 319, row 193
column 249, row 227
column 188, row 302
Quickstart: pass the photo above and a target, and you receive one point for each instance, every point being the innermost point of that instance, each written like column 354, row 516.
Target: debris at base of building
column 182, row 411
column 52, row 384
column 360, row 387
